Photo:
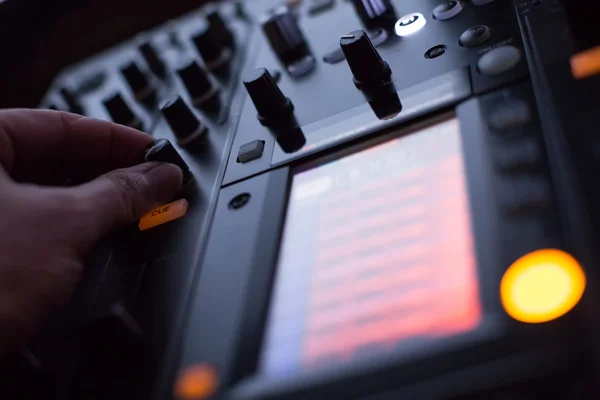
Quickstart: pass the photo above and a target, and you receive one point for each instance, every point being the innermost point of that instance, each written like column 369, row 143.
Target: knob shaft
column 286, row 38
column 214, row 53
column 155, row 63
column 121, row 113
column 71, row 101
column 186, row 127
column 364, row 60
column 376, row 13
column 372, row 75
column 138, row 83
column 202, row 91
column 162, row 150
column 220, row 29
column 271, row 104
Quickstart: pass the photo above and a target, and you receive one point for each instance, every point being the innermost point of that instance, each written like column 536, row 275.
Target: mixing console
column 383, row 199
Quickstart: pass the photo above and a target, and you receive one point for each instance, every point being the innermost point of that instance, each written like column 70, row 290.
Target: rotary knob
column 121, row 113
column 184, row 124
column 288, row 42
column 375, row 13
column 372, row 75
column 138, row 82
column 272, row 106
column 220, row 29
column 155, row 63
column 364, row 60
column 163, row 151
column 214, row 53
column 202, row 91
column 71, row 101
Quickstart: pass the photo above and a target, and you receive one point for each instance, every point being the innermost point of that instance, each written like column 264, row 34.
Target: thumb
column 124, row 196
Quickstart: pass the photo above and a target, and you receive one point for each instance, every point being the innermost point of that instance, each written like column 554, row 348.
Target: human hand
column 46, row 229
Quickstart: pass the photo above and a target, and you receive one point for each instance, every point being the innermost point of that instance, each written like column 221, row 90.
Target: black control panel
column 384, row 199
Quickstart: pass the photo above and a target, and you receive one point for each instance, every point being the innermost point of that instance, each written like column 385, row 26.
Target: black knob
column 121, row 113
column 286, row 38
column 71, row 101
column 376, row 13
column 155, row 63
column 364, row 60
column 271, row 104
column 214, row 53
column 220, row 29
column 162, row 150
column 372, row 75
column 138, row 83
column 202, row 91
column 186, row 127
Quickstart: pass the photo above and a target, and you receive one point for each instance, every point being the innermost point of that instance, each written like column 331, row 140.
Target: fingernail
column 166, row 179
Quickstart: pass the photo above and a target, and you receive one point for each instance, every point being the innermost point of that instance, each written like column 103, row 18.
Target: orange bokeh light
column 542, row 286
column 196, row 382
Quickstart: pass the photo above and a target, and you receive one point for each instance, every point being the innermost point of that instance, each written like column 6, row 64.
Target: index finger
column 45, row 146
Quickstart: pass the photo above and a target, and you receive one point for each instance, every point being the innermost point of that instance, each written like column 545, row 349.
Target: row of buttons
column 518, row 155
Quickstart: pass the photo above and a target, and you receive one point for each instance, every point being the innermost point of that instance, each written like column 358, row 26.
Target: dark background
column 38, row 38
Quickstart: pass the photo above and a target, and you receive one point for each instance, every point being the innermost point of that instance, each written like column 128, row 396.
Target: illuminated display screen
column 376, row 255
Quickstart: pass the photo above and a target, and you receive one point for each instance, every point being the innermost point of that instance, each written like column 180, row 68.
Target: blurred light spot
column 586, row 63
column 542, row 286
column 196, row 382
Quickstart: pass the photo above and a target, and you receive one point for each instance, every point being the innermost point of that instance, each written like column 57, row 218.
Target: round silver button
column 475, row 35
column 448, row 10
column 499, row 61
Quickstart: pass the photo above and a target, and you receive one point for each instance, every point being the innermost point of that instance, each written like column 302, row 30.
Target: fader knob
column 285, row 37
column 363, row 59
column 121, row 113
column 220, row 29
column 72, row 102
column 272, row 106
column 214, row 53
column 186, row 127
column 202, row 91
column 138, row 83
column 375, row 13
column 155, row 63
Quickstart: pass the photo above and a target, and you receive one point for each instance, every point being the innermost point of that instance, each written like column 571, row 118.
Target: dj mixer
column 384, row 199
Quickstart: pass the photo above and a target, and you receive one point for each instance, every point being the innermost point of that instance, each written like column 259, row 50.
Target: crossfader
column 383, row 199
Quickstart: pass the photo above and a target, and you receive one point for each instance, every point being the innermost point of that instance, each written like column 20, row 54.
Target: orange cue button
column 586, row 63
column 196, row 382
column 163, row 214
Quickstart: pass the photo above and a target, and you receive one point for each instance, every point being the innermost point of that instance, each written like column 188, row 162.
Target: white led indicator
column 410, row 24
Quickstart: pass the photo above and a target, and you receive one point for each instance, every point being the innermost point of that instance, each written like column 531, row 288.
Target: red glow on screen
column 391, row 255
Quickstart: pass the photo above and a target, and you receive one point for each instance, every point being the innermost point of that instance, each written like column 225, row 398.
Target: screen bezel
column 493, row 325
column 485, row 302
column 498, row 337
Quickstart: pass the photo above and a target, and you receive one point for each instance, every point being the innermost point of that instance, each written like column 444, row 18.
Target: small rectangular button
column 251, row 151
column 163, row 214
